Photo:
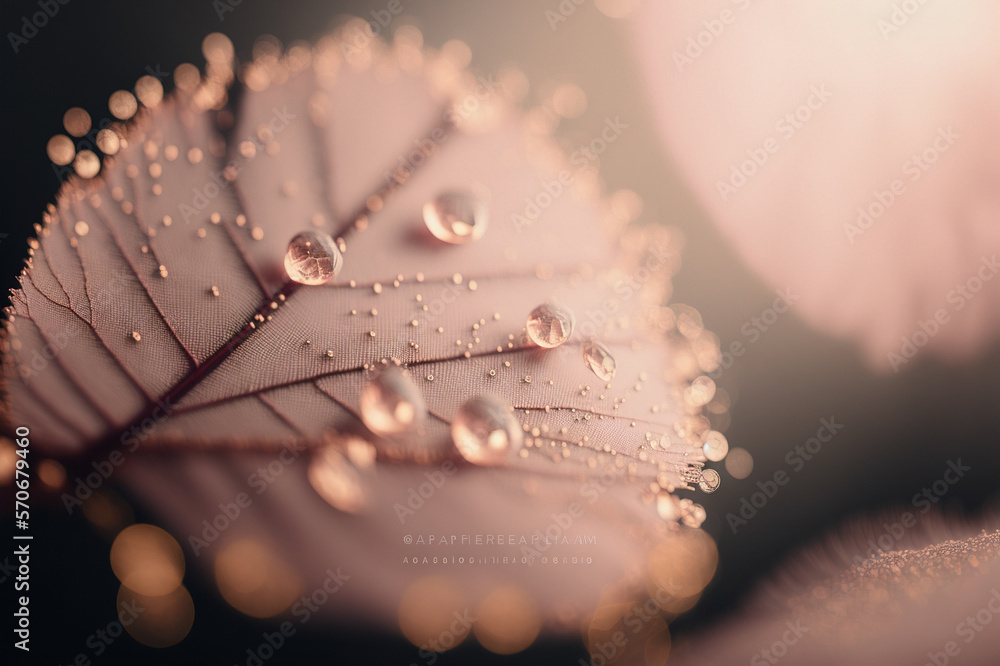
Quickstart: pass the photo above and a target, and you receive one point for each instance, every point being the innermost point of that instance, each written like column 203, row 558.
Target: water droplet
column 599, row 359
column 391, row 403
column 457, row 217
column 137, row 336
column 709, row 481
column 550, row 325
column 312, row 258
column 485, row 431
column 215, row 290
column 716, row 446
column 337, row 480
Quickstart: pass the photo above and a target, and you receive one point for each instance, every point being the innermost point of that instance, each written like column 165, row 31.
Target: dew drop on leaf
column 485, row 431
column 391, row 403
column 550, row 325
column 457, row 217
column 599, row 359
column 313, row 258
column 336, row 479
column 716, row 446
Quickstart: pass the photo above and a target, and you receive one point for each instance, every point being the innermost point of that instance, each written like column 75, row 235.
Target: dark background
column 900, row 430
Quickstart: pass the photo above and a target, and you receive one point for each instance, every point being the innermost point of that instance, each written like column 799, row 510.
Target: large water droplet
column 599, row 359
column 550, row 325
column 716, row 446
column 457, row 217
column 337, row 477
column 391, row 403
column 485, row 431
column 313, row 258
column 709, row 481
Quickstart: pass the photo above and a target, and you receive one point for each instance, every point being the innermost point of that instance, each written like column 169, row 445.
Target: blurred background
column 900, row 429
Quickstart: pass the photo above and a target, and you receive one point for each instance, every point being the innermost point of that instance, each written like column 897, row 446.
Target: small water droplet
column 312, row 258
column 215, row 290
column 391, row 403
column 709, row 481
column 599, row 359
column 485, row 431
column 692, row 514
column 457, row 217
column 550, row 325
column 716, row 446
column 136, row 336
column 329, row 353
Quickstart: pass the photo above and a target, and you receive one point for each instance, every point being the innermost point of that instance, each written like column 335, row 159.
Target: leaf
column 859, row 174
column 155, row 317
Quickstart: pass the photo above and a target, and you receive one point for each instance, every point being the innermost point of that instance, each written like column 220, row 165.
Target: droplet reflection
column 457, row 217
column 391, row 404
column 599, row 359
column 550, row 325
column 485, row 431
column 335, row 475
column 313, row 258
